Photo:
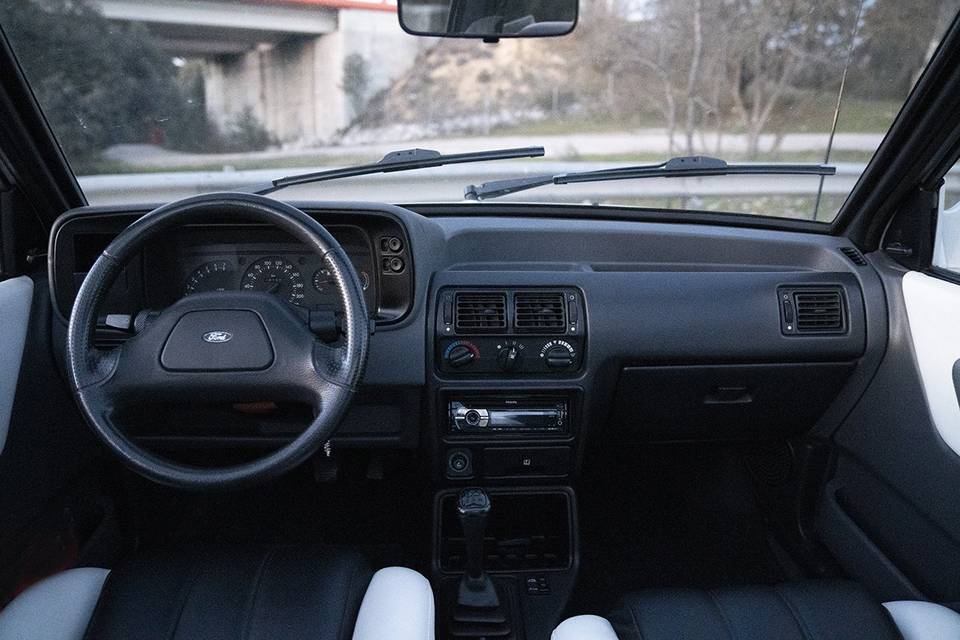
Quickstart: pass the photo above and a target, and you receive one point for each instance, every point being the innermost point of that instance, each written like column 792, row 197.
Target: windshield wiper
column 685, row 167
column 405, row 160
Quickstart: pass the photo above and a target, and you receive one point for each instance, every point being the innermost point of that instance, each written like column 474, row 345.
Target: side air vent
column 480, row 312
column 819, row 312
column 855, row 256
column 539, row 312
column 808, row 310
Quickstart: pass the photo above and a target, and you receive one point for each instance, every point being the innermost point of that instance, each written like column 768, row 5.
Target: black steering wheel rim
column 301, row 367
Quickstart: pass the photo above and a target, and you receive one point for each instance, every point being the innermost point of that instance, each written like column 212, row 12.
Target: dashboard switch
column 509, row 356
column 460, row 354
column 559, row 357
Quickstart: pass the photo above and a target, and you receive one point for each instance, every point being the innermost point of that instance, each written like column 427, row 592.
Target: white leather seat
column 584, row 628
column 397, row 605
column 58, row 608
column 924, row 620
column 915, row 620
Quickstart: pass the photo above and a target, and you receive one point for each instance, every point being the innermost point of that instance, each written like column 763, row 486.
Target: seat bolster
column 398, row 605
column 584, row 628
column 57, row 607
column 921, row 620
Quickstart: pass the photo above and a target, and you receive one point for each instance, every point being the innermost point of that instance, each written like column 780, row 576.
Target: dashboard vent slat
column 480, row 312
column 854, row 255
column 819, row 312
column 539, row 312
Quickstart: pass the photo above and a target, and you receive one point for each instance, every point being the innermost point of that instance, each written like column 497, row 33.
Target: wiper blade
column 404, row 160
column 685, row 167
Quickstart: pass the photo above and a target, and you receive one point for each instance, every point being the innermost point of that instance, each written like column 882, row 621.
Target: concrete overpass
column 282, row 59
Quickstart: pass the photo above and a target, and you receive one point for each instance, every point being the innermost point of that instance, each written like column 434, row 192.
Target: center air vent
column 539, row 312
column 812, row 311
column 480, row 312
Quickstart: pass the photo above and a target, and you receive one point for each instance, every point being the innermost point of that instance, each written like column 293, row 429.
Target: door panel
column 49, row 467
column 890, row 513
column 933, row 311
column 16, row 295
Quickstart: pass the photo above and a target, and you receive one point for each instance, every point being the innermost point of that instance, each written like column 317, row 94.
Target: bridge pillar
column 295, row 87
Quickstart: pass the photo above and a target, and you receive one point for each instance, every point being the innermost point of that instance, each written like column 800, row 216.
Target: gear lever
column 476, row 588
column 473, row 508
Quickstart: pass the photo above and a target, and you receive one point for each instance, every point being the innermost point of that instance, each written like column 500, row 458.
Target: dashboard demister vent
column 480, row 312
column 854, row 255
column 539, row 312
column 819, row 311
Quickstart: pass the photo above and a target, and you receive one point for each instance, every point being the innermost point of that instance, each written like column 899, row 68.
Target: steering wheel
column 229, row 346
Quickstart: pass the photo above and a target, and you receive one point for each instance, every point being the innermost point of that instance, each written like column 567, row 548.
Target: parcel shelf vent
column 480, row 312
column 819, row 311
column 539, row 312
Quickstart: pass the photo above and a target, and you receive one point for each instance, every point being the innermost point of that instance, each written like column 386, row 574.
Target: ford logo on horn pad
column 217, row 337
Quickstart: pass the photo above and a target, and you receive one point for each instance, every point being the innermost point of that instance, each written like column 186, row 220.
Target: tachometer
column 212, row 276
column 275, row 275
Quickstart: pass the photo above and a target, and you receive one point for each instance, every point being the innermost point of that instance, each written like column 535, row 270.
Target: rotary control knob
column 460, row 354
column 558, row 354
column 508, row 359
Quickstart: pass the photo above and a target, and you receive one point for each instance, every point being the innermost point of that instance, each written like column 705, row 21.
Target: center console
column 505, row 410
column 508, row 365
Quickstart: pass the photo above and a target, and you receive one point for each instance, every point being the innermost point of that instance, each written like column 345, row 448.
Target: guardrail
column 447, row 184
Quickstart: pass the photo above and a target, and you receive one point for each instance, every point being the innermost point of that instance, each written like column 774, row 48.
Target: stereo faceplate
column 504, row 415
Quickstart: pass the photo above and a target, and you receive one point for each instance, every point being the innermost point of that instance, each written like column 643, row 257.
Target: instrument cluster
column 283, row 268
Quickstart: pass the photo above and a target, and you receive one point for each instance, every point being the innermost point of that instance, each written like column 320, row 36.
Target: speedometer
column 275, row 275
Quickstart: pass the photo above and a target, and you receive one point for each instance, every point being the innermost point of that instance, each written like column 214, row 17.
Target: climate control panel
column 522, row 331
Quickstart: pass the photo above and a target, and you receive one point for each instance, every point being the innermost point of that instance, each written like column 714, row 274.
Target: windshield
column 153, row 100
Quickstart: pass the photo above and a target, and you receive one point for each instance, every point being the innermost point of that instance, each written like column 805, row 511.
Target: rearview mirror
column 488, row 19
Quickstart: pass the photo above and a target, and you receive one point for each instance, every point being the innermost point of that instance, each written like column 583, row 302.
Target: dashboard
column 503, row 341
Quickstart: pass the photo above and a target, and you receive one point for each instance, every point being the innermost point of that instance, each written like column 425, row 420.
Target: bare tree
column 693, row 73
column 771, row 44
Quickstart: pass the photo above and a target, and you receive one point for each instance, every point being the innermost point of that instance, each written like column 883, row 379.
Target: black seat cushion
column 237, row 594
column 814, row 610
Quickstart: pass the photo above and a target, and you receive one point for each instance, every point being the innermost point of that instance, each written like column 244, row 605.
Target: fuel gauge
column 322, row 280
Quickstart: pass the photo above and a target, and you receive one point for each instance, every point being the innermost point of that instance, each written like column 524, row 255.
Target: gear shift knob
column 473, row 507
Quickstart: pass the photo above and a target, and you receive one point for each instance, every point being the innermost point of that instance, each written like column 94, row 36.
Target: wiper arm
column 404, row 160
column 685, row 167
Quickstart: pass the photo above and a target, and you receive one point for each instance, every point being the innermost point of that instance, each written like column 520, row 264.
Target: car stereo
column 476, row 416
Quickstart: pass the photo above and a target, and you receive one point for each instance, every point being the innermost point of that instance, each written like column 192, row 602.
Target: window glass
column 157, row 99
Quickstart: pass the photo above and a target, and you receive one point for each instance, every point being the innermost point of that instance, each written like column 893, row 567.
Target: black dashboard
column 505, row 341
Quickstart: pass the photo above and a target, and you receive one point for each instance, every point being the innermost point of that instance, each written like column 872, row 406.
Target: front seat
column 275, row 593
column 810, row 610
